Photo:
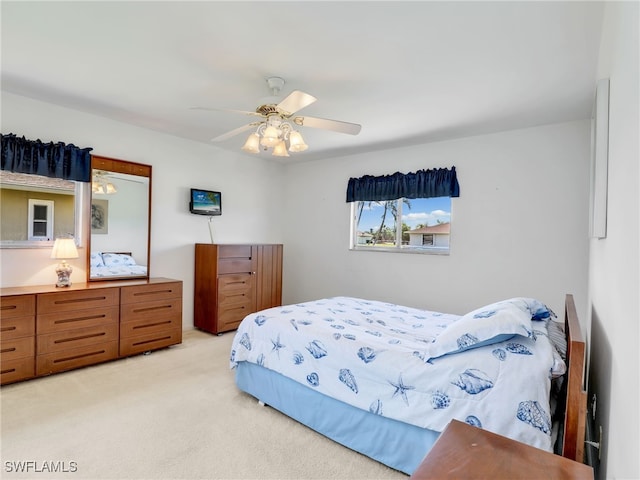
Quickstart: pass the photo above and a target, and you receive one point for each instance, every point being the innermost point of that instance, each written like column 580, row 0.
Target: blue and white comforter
column 491, row 367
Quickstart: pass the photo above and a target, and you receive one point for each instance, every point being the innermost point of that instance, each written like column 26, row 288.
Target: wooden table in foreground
column 466, row 452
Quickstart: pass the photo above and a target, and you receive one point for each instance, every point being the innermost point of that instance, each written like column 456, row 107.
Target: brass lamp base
column 64, row 274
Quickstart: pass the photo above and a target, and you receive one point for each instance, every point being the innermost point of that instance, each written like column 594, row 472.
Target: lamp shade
column 64, row 248
column 280, row 150
column 270, row 137
column 296, row 142
column 252, row 144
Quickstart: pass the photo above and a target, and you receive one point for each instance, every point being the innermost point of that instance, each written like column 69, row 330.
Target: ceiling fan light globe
column 252, row 145
column 280, row 150
column 270, row 137
column 296, row 142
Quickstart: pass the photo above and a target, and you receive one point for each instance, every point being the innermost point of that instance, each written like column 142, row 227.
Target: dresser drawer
column 17, row 306
column 144, row 326
column 59, row 322
column 149, row 292
column 134, row 312
column 59, row 341
column 230, row 285
column 76, row 357
column 15, row 327
column 77, row 300
column 231, row 317
column 16, row 370
column 15, row 348
column 235, row 251
column 150, row 341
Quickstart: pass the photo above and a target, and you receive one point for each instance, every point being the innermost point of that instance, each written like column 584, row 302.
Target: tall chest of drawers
column 232, row 281
column 47, row 330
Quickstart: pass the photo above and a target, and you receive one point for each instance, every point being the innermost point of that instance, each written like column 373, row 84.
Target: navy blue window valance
column 55, row 160
column 440, row 182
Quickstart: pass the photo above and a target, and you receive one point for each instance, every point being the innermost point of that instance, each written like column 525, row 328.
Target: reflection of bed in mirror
column 106, row 265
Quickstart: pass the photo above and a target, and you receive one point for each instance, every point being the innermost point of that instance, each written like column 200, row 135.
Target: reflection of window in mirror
column 34, row 210
column 40, row 225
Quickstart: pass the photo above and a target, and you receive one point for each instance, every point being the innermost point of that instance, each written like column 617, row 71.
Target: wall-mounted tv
column 205, row 202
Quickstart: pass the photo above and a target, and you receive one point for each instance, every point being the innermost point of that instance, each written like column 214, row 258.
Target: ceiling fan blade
column 334, row 125
column 243, row 112
column 235, row 131
column 295, row 101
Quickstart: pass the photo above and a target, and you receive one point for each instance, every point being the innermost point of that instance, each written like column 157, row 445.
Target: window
column 418, row 225
column 40, row 226
column 403, row 212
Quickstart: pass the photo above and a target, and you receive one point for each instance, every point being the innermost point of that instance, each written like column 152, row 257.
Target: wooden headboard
column 576, row 404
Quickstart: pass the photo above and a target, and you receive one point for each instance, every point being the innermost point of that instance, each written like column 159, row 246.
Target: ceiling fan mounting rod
column 275, row 85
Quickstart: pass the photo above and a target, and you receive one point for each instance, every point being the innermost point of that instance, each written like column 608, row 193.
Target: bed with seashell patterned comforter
column 345, row 365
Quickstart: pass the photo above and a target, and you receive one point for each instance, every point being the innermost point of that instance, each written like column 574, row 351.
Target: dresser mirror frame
column 124, row 175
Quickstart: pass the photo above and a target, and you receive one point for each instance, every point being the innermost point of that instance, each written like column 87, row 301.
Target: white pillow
column 490, row 324
column 117, row 260
column 96, row 260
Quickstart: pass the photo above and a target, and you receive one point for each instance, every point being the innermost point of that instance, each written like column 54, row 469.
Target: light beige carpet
column 173, row 414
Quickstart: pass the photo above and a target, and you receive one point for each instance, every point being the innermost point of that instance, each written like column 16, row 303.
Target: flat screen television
column 205, row 202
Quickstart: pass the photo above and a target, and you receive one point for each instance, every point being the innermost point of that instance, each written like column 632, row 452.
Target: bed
column 115, row 265
column 385, row 380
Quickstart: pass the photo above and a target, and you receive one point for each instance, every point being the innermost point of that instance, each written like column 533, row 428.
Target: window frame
column 81, row 195
column 32, row 220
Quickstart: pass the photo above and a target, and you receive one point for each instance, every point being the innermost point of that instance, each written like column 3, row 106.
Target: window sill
column 410, row 250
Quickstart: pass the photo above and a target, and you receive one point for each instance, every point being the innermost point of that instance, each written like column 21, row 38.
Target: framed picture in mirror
column 99, row 216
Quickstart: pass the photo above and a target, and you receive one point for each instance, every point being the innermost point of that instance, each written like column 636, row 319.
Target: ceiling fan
column 277, row 125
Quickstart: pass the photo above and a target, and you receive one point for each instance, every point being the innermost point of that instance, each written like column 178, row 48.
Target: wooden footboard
column 576, row 404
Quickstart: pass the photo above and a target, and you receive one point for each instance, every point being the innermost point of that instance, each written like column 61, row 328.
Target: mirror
column 34, row 210
column 120, row 220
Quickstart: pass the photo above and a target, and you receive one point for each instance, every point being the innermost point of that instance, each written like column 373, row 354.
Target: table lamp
column 64, row 248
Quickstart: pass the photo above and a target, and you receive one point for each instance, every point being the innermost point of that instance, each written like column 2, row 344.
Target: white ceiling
column 408, row 72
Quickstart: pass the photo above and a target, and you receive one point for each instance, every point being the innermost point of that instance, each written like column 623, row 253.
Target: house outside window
column 419, row 225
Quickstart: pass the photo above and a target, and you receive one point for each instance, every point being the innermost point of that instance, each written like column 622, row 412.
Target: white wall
column 614, row 278
column 519, row 227
column 250, row 187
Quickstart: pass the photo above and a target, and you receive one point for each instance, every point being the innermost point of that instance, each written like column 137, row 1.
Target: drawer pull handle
column 166, row 322
column 135, row 344
column 8, row 370
column 152, row 292
column 241, row 282
column 8, row 307
column 81, row 337
column 75, row 357
column 78, row 319
column 149, row 309
column 7, row 350
column 78, row 300
column 8, row 329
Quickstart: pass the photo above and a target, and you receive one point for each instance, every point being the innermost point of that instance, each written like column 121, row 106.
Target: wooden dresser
column 47, row 329
column 232, row 281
